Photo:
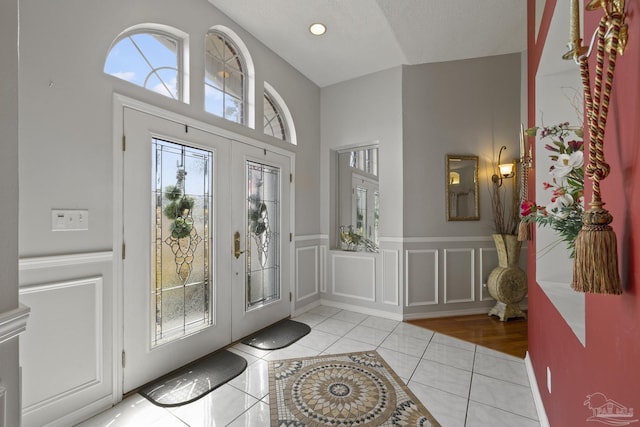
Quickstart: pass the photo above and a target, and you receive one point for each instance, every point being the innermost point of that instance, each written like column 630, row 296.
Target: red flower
column 527, row 207
column 546, row 185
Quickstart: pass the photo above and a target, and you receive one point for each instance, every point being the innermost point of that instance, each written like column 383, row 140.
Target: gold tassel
column 524, row 231
column 595, row 269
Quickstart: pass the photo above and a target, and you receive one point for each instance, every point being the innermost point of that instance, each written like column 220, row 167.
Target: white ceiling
column 365, row 36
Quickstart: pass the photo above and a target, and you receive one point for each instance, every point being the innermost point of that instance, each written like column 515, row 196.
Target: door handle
column 236, row 245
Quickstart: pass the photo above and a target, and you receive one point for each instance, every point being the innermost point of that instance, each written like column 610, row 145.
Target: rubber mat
column 196, row 380
column 278, row 335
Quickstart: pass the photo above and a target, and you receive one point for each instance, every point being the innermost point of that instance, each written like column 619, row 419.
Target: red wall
column 610, row 363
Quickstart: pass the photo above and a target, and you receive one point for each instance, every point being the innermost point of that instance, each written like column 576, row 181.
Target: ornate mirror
column 462, row 188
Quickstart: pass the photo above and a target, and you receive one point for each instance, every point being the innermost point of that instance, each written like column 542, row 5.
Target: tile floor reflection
column 461, row 384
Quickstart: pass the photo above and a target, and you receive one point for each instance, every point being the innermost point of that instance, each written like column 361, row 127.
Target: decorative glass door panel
column 262, row 239
column 261, row 265
column 180, row 250
column 176, row 280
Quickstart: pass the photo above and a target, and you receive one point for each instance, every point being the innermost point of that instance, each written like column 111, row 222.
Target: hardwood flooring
column 508, row 337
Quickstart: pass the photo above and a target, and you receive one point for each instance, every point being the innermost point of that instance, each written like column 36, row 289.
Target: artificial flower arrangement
column 564, row 213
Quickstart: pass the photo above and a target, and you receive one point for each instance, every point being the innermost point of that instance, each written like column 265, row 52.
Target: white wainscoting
column 390, row 277
column 307, row 278
column 488, row 261
column 421, row 277
column 354, row 276
column 66, row 353
column 459, row 272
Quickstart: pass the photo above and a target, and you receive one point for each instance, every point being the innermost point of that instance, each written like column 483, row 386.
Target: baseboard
column 84, row 413
column 363, row 310
column 537, row 398
column 305, row 308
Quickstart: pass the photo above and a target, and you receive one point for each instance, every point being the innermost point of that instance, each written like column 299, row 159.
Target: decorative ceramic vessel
column 507, row 283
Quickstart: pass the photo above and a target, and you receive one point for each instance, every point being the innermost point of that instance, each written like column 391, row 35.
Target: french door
column 206, row 235
column 261, row 225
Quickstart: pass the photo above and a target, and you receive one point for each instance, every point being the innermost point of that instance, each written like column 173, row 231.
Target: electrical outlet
column 69, row 219
column 549, row 379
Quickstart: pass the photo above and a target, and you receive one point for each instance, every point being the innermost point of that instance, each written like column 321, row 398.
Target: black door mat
column 196, row 380
column 278, row 335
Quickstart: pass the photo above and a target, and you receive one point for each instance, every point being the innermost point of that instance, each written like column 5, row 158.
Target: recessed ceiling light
column 317, row 29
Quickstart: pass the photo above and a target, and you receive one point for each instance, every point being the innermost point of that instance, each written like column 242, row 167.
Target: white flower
column 555, row 208
column 566, row 163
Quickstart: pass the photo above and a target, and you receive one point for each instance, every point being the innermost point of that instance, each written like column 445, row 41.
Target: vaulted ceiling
column 364, row 36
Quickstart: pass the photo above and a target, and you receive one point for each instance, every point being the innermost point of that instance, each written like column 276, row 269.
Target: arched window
column 151, row 56
column 277, row 118
column 226, row 78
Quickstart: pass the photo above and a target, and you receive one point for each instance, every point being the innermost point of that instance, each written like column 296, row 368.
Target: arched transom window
column 151, row 58
column 277, row 118
column 225, row 78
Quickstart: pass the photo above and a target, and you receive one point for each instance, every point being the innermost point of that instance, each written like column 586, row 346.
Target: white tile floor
column 461, row 384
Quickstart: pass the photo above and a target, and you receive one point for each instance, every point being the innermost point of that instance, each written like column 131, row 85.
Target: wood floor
column 508, row 337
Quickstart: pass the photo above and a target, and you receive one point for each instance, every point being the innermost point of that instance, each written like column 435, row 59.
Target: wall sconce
column 506, row 170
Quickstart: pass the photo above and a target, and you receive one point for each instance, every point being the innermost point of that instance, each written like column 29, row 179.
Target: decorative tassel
column 595, row 269
column 524, row 231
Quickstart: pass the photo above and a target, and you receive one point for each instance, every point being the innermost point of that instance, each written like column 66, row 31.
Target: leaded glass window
column 148, row 59
column 225, row 78
column 263, row 233
column 180, row 248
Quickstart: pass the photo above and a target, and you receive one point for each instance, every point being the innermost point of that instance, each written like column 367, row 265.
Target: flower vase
column 507, row 283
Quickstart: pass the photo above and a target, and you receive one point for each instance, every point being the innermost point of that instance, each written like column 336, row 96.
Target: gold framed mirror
column 462, row 188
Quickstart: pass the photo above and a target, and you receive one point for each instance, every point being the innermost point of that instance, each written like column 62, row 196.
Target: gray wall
column 9, row 196
column 66, row 112
column 460, row 107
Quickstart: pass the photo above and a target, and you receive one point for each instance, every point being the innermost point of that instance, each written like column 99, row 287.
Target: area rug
column 278, row 335
column 196, row 380
column 351, row 389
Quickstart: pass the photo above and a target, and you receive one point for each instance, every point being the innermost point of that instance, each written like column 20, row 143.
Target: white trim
column 446, row 313
column 53, row 261
column 323, row 268
column 363, row 310
column 537, row 398
column 99, row 338
column 311, row 237
column 396, row 285
column 472, row 273
column 3, row 407
column 435, row 277
column 13, row 322
column 315, row 273
column 483, row 285
column 463, row 239
column 83, row 413
column 373, row 276
column 293, row 139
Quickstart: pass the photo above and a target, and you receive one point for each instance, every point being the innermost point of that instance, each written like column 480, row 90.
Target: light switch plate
column 69, row 220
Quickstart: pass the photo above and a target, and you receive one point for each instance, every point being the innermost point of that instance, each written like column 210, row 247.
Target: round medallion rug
column 353, row 389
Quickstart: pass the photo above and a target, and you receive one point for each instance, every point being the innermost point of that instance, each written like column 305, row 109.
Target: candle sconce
column 616, row 28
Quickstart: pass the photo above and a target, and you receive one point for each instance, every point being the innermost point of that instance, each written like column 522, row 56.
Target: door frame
column 120, row 102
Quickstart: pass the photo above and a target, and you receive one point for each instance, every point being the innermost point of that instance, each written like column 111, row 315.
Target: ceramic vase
column 507, row 283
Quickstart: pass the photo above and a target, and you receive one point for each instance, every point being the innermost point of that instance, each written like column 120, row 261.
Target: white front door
column 190, row 285
column 176, row 222
column 261, row 247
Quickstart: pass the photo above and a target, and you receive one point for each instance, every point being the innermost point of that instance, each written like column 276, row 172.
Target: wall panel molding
column 390, row 276
column 323, row 268
column 13, row 322
column 416, row 272
column 77, row 336
column 354, row 276
column 302, row 275
column 52, row 261
column 453, row 274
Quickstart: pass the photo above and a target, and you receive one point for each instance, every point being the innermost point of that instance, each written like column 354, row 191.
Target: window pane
column 274, row 122
column 181, row 285
column 149, row 60
column 224, row 72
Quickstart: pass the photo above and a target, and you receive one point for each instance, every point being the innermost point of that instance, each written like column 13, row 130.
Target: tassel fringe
column 524, row 231
column 595, row 268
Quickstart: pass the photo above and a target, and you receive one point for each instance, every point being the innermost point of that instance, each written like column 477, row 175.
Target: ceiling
column 365, row 36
